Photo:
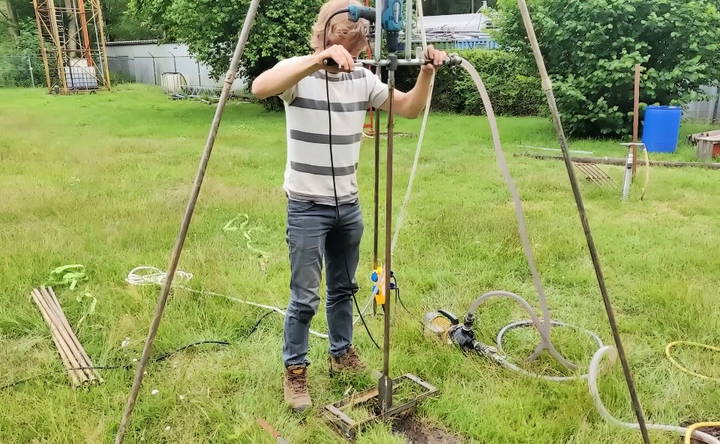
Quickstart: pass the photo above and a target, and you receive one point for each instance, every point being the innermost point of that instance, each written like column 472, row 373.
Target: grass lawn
column 102, row 180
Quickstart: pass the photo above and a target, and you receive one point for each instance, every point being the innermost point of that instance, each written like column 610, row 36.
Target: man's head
column 340, row 31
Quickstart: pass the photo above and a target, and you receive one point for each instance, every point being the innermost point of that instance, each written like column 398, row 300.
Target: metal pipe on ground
column 621, row 162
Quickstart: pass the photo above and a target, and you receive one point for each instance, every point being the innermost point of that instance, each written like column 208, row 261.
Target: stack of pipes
column 76, row 361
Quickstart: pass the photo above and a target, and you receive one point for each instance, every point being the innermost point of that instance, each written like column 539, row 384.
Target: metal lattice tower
column 72, row 45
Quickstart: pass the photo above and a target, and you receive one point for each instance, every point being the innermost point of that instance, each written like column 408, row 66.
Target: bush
column 513, row 87
column 591, row 47
column 14, row 56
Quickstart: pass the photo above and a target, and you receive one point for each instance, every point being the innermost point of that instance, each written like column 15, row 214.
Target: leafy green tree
column 19, row 54
column 591, row 47
column 210, row 28
column 120, row 25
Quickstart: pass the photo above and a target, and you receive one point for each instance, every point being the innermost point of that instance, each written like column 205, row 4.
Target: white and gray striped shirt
column 308, row 172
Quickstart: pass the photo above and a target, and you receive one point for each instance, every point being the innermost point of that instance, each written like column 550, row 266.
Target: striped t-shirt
column 308, row 172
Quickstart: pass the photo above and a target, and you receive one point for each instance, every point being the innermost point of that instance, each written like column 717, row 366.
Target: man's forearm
column 279, row 78
column 413, row 102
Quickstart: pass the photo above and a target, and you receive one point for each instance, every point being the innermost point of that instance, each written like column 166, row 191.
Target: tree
column 210, row 29
column 120, row 25
column 7, row 19
column 591, row 46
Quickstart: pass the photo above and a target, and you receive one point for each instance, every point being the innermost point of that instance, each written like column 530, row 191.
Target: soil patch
column 418, row 432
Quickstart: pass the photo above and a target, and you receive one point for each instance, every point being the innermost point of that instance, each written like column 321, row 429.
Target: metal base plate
column 337, row 413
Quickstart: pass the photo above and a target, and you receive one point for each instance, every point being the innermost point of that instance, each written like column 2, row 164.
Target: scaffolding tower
column 72, row 45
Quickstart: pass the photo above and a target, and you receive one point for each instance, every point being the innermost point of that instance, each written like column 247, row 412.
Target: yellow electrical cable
column 692, row 428
column 682, row 367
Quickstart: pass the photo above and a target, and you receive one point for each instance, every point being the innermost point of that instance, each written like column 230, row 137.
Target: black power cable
column 353, row 289
column 130, row 366
column 397, row 293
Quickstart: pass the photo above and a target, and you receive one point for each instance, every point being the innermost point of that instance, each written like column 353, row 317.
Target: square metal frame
column 347, row 427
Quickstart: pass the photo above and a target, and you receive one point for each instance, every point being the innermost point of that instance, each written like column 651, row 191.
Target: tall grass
column 102, row 180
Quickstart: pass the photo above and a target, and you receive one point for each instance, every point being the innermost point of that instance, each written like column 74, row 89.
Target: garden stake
column 547, row 87
column 179, row 242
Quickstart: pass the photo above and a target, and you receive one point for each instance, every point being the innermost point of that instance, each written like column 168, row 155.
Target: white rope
column 147, row 275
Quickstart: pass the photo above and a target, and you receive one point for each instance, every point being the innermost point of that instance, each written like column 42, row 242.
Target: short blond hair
column 340, row 28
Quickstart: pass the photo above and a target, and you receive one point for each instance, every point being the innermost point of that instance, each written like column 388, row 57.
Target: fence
column 707, row 111
column 476, row 43
column 149, row 69
column 21, row 71
column 147, row 61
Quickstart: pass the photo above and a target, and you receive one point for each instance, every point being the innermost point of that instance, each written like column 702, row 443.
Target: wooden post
column 636, row 117
column 100, row 26
column 185, row 225
column 636, row 104
column 59, row 48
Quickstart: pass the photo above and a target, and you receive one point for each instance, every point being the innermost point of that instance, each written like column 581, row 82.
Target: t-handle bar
column 453, row 60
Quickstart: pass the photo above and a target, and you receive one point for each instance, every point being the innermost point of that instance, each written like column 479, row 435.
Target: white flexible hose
column 500, row 359
column 499, row 355
column 594, row 371
column 147, row 275
column 543, row 328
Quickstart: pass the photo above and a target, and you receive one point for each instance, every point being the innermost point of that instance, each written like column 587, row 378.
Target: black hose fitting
column 463, row 337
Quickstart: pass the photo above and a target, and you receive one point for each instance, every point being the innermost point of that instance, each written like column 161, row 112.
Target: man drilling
column 324, row 221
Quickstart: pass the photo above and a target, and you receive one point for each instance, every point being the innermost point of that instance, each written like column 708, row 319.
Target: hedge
column 514, row 89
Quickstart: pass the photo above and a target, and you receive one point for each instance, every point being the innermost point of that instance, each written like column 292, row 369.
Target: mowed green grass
column 102, row 180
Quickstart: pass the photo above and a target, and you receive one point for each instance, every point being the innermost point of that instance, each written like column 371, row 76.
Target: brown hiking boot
column 296, row 388
column 348, row 363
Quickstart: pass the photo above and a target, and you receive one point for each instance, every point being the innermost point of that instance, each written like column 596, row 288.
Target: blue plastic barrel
column 661, row 128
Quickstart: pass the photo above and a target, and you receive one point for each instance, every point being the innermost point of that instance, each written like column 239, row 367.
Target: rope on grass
column 232, row 225
column 148, row 275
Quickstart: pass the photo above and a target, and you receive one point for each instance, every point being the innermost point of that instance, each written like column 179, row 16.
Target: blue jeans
column 314, row 234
